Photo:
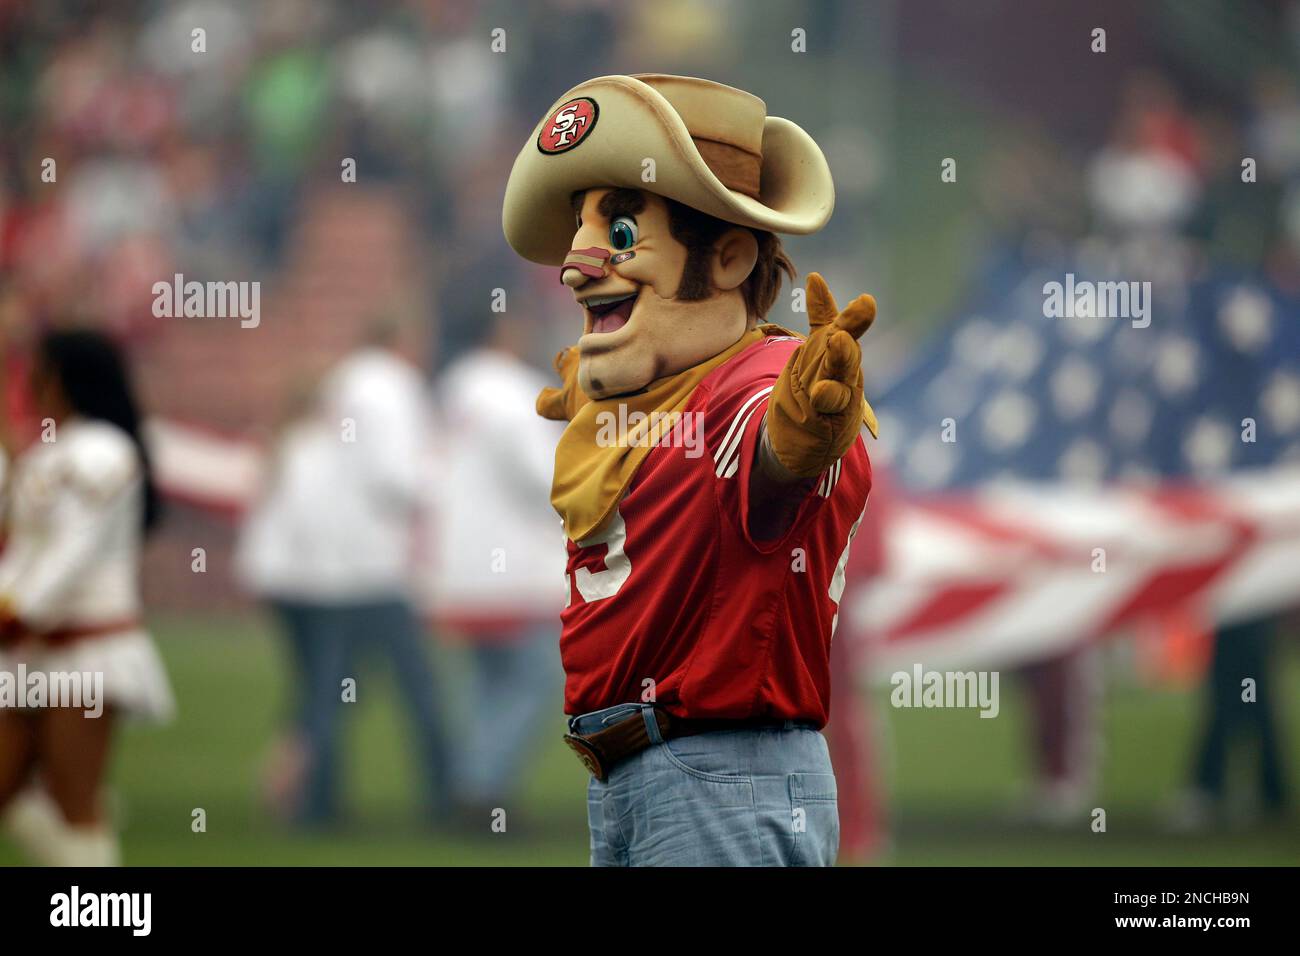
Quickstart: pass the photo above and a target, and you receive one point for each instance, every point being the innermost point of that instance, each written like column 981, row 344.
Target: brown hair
column 698, row 232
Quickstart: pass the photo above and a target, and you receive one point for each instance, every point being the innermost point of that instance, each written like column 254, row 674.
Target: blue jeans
column 750, row 797
column 329, row 642
column 517, row 679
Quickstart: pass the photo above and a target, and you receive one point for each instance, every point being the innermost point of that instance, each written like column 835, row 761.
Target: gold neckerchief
column 592, row 473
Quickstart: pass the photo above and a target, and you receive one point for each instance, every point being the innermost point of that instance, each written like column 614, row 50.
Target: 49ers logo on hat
column 568, row 125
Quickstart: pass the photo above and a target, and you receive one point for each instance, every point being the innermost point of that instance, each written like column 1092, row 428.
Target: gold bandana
column 592, row 473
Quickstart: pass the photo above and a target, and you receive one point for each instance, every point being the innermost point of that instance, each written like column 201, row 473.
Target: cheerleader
column 79, row 503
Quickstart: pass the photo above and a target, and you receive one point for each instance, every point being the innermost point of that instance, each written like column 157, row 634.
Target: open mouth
column 609, row 313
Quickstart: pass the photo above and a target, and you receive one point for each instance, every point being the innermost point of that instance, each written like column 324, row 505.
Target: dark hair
column 698, row 232
column 93, row 377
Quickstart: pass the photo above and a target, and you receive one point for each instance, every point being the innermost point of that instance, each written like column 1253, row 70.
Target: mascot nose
column 583, row 264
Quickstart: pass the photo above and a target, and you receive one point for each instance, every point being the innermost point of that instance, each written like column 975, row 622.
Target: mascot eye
column 622, row 233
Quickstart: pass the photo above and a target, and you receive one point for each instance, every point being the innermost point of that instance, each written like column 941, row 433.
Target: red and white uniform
column 674, row 589
column 72, row 562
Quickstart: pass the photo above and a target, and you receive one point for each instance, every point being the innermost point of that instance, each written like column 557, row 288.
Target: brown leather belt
column 599, row 752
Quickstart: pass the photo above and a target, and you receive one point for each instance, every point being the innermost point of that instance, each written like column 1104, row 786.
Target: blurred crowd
column 1161, row 197
column 134, row 148
column 181, row 153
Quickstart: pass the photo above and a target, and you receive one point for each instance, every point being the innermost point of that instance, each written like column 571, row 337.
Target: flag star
column 1280, row 398
column 971, row 344
column 931, row 462
column 1246, row 320
column 1021, row 353
column 1207, row 446
column 1130, row 416
column 1084, row 329
column 953, row 392
column 1007, row 421
column 1176, row 367
column 1074, row 385
column 1083, row 461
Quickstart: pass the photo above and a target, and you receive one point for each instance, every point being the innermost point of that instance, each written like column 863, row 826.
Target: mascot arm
column 816, row 411
column 817, row 408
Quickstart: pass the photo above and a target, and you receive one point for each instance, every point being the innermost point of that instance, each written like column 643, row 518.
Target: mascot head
column 659, row 199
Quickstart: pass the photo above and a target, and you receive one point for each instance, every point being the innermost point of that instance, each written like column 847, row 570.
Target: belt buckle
column 605, row 718
column 589, row 754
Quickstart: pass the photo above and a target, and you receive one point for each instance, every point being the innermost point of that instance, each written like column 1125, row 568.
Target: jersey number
column 598, row 585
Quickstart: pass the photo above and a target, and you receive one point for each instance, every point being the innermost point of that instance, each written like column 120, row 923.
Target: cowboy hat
column 714, row 148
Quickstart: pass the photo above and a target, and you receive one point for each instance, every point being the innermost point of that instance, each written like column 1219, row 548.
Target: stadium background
column 227, row 166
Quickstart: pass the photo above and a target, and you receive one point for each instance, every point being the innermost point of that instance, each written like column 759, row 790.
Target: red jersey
column 673, row 596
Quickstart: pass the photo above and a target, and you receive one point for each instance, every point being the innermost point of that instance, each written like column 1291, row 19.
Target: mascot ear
column 734, row 255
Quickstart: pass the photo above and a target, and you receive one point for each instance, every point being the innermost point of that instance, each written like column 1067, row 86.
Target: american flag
column 1063, row 478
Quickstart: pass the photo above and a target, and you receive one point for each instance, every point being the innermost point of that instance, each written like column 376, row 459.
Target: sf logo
column 565, row 122
column 567, row 126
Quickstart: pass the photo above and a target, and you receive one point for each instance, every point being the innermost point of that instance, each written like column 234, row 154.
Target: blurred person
column 273, row 560
column 1146, row 178
column 288, row 96
column 80, row 504
column 1273, row 133
column 332, row 545
column 1240, row 718
column 499, row 563
column 1236, row 225
column 1065, row 692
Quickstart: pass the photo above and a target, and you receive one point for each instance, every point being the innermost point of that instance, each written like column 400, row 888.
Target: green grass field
column 954, row 778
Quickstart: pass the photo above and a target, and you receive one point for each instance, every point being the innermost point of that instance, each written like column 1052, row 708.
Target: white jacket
column 285, row 545
column 499, row 552
column 338, row 522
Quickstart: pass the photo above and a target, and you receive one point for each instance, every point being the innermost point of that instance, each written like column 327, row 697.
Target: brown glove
column 817, row 408
column 561, row 404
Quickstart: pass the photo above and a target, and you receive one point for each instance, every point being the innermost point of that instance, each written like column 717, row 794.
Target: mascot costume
column 712, row 473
